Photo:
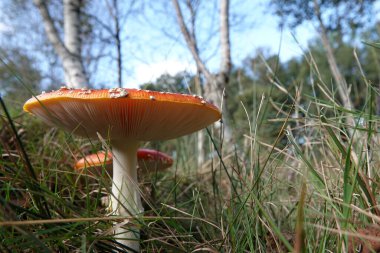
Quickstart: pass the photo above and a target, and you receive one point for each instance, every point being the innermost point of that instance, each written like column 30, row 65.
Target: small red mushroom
column 362, row 241
column 148, row 160
column 95, row 162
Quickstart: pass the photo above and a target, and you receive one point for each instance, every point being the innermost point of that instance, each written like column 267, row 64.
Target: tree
column 69, row 51
column 18, row 76
column 117, row 14
column 331, row 17
column 215, row 83
column 178, row 83
column 372, row 58
column 102, row 31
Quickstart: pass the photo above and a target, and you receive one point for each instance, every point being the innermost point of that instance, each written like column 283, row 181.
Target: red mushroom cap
column 365, row 240
column 127, row 114
column 148, row 160
column 96, row 162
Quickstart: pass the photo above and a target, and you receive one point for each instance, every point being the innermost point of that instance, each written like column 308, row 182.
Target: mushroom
column 365, row 240
column 147, row 159
column 96, row 162
column 125, row 117
column 150, row 160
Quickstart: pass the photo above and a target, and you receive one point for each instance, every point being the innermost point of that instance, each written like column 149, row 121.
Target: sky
column 155, row 46
column 159, row 54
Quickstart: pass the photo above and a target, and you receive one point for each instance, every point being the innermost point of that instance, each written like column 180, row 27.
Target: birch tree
column 343, row 18
column 342, row 86
column 113, row 23
column 215, row 84
column 68, row 49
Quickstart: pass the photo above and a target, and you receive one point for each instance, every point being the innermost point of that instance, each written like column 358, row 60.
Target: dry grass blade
column 299, row 243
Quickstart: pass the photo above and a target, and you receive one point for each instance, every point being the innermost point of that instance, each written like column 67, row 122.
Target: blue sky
column 155, row 46
column 150, row 52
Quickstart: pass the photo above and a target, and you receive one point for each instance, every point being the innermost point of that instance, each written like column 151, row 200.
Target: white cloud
column 4, row 28
column 149, row 73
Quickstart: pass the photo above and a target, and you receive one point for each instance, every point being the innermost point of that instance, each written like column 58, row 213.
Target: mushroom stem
column 125, row 199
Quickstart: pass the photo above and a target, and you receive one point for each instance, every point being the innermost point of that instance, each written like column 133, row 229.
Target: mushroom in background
column 125, row 117
column 366, row 240
column 94, row 163
column 148, row 160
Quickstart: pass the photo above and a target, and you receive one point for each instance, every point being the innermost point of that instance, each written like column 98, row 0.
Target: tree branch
column 190, row 41
column 51, row 30
column 225, row 44
column 69, row 51
column 339, row 79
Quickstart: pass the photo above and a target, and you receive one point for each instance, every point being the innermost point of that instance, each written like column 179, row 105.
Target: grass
column 303, row 191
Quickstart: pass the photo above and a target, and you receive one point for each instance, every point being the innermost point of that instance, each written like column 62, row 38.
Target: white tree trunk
column 117, row 36
column 75, row 75
column 215, row 84
column 337, row 75
column 190, row 41
column 69, row 52
column 225, row 45
column 215, row 88
column 71, row 16
column 200, row 134
column 340, row 81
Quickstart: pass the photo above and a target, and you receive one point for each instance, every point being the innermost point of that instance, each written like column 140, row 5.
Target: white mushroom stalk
column 125, row 195
column 125, row 198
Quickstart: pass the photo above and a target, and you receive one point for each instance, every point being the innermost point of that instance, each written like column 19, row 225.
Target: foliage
column 19, row 77
column 182, row 82
column 340, row 16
